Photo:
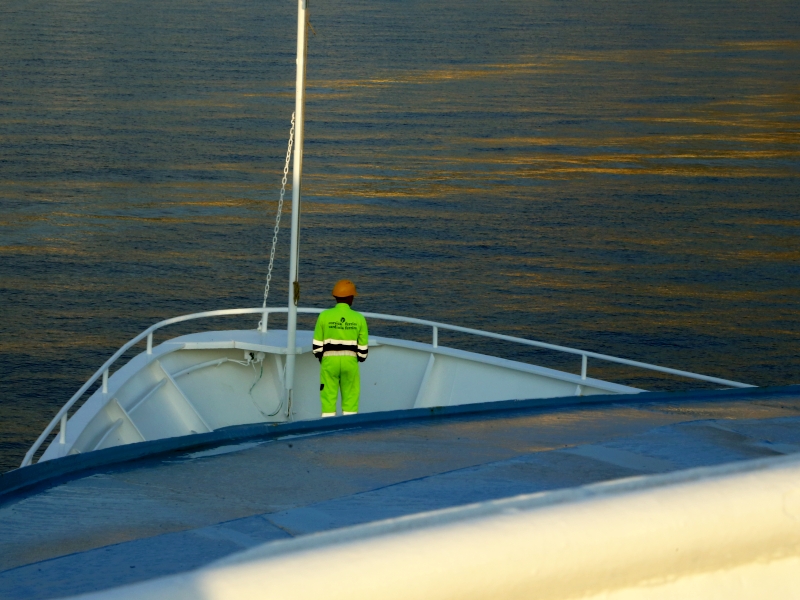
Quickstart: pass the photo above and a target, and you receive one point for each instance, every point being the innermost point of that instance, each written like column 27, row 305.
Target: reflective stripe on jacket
column 341, row 331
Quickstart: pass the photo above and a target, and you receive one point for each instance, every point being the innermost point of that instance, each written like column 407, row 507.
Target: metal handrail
column 61, row 416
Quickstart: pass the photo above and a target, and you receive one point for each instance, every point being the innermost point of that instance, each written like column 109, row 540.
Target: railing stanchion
column 150, row 343
column 435, row 336
column 264, row 322
column 62, row 434
column 584, row 361
column 105, row 381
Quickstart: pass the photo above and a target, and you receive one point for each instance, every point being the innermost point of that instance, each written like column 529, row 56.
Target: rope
column 278, row 218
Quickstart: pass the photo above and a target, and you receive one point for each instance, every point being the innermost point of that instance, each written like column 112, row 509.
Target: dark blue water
column 620, row 176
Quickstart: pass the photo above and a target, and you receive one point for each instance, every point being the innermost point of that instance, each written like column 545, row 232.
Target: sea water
column 619, row 176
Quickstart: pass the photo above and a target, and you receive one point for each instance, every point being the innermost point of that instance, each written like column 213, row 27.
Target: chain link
column 278, row 216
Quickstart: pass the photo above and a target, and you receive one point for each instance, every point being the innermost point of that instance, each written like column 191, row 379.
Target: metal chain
column 278, row 216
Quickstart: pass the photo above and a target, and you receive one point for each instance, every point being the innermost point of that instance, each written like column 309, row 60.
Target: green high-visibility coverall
column 340, row 343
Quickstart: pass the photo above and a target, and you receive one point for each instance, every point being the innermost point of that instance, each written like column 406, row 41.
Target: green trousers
column 336, row 372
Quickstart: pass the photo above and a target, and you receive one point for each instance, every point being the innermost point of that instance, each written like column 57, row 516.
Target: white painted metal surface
column 297, row 178
column 201, row 382
column 721, row 532
column 401, row 375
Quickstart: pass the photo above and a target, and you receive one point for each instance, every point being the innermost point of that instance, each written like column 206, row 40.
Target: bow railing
column 60, row 419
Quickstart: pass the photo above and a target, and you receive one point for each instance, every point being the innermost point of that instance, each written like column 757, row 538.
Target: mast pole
column 297, row 172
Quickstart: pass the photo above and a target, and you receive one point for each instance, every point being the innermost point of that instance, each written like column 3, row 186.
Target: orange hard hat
column 344, row 288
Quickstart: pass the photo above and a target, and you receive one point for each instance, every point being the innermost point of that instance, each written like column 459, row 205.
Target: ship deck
column 179, row 510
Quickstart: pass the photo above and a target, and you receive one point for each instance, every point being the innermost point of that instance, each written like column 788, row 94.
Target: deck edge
column 53, row 471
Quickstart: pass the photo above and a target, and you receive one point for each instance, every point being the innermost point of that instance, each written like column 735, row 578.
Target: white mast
column 297, row 171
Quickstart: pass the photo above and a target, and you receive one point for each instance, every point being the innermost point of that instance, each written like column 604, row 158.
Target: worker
column 340, row 343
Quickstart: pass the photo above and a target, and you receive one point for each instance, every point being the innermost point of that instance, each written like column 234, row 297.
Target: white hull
column 197, row 383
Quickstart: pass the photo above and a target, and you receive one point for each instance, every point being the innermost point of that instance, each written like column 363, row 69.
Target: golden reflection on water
column 633, row 193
